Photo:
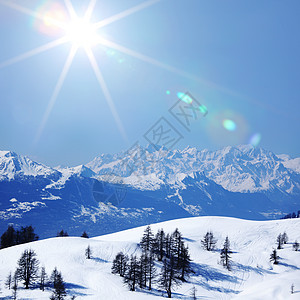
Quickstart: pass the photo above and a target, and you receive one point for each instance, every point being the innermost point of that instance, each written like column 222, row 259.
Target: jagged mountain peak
column 12, row 164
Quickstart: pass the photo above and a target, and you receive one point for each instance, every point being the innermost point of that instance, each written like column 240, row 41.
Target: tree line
column 12, row 237
column 292, row 215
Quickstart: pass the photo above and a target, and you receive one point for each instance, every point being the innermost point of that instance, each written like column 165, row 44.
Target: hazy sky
column 238, row 58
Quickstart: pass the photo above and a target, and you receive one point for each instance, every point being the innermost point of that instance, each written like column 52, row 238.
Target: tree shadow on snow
column 71, row 286
column 99, row 260
column 257, row 270
column 212, row 274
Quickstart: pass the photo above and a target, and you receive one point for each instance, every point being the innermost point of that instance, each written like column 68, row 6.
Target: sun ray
column 33, row 52
column 90, row 9
column 55, row 93
column 70, row 9
column 30, row 12
column 185, row 74
column 125, row 13
column 106, row 92
column 155, row 62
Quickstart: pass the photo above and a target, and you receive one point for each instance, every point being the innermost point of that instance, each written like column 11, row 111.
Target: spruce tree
column 225, row 255
column 274, row 257
column 28, row 268
column 296, row 246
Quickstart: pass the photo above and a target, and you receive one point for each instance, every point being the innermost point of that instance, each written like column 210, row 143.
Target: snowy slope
column 252, row 277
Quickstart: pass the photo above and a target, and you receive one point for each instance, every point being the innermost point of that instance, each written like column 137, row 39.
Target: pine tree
column 15, row 286
column 292, row 288
column 296, row 246
column 184, row 263
column 132, row 274
column 119, row 265
column 225, row 255
column 53, row 277
column 8, row 281
column 168, row 243
column 159, row 244
column 284, row 238
column 43, row 279
column 169, row 276
column 209, row 242
column 88, row 252
column 59, row 292
column 27, row 235
column 194, row 293
column 176, row 243
column 274, row 257
column 8, row 238
column 28, row 268
column 279, row 241
column 151, row 271
column 84, row 235
column 147, row 241
column 62, row 233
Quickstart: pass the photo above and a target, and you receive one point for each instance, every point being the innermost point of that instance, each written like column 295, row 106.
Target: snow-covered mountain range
column 252, row 275
column 145, row 185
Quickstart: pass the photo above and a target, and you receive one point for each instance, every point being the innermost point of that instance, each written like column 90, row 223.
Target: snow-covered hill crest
column 252, row 277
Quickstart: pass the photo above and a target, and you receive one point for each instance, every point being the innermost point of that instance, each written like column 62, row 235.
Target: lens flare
column 168, row 92
column 255, row 139
column 185, row 98
column 54, row 16
column 229, row 125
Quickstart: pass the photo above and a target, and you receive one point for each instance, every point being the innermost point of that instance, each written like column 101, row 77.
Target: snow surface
column 252, row 277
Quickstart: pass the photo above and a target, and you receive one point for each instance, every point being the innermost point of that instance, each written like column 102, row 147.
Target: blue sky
column 238, row 58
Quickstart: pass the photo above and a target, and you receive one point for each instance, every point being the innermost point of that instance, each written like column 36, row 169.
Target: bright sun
column 81, row 33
